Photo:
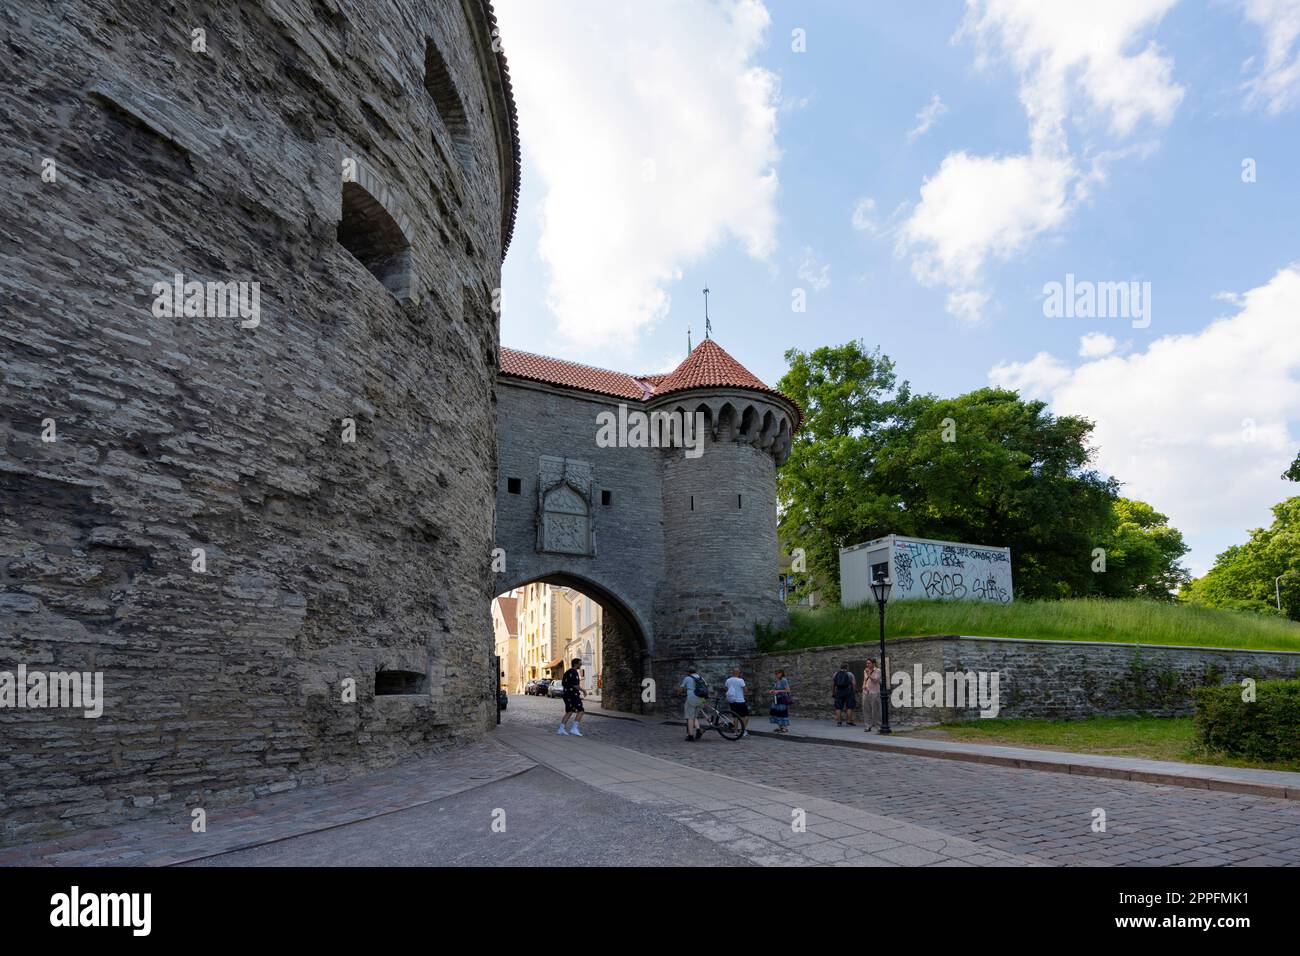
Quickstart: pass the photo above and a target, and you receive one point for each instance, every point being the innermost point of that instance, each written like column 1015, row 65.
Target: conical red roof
column 709, row 366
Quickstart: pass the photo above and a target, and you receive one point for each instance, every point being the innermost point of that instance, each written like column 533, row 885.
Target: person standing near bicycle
column 697, row 692
column 736, row 699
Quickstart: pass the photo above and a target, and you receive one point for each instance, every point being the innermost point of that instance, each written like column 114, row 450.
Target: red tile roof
column 509, row 611
column 708, row 366
column 540, row 368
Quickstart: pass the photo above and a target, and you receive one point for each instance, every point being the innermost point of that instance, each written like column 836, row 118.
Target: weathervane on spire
column 688, row 338
column 708, row 326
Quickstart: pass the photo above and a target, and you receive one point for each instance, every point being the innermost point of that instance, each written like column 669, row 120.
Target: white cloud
column 1075, row 62
column 652, row 134
column 1276, row 84
column 967, row 306
column 864, row 215
column 816, row 274
column 927, row 117
column 1096, row 345
column 1197, row 424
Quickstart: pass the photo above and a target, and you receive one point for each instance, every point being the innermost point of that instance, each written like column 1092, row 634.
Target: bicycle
column 725, row 722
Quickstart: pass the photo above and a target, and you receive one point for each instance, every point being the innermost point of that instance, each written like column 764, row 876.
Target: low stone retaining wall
column 1056, row 679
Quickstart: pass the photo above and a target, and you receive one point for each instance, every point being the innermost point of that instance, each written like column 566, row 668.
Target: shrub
column 1266, row 729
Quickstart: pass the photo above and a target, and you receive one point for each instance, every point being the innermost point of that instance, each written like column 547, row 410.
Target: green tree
column 1142, row 553
column 1243, row 576
column 827, row 494
column 987, row 467
column 1293, row 473
column 990, row 468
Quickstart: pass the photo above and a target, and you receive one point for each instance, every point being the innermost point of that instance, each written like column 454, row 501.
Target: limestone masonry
column 242, row 521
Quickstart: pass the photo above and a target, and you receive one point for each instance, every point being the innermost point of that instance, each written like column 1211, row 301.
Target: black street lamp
column 880, row 588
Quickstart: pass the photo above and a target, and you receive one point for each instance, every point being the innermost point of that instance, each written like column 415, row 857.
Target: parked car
column 555, row 689
column 542, row 686
column 530, row 688
column 503, row 699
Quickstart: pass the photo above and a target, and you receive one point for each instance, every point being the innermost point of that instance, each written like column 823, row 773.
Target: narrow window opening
column 437, row 80
column 692, row 502
column 738, row 504
column 375, row 239
column 605, row 497
column 394, row 683
column 513, row 485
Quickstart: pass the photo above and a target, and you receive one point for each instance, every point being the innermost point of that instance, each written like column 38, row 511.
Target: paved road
column 1046, row 816
column 550, row 820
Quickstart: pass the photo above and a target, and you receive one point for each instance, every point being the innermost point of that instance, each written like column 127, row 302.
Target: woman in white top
column 736, row 699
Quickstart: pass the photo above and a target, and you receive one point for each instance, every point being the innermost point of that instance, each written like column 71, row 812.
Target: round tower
column 719, row 505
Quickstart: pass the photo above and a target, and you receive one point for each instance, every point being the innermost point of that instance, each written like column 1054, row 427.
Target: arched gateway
column 655, row 495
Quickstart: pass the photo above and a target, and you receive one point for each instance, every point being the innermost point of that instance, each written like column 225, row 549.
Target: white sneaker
column 562, row 732
column 575, row 731
column 745, row 734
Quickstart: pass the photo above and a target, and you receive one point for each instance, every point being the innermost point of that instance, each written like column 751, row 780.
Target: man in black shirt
column 571, row 684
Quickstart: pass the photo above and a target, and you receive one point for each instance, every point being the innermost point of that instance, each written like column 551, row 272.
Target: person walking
column 696, row 691
column 736, row 699
column 844, row 690
column 571, row 692
column 871, row 694
column 782, row 698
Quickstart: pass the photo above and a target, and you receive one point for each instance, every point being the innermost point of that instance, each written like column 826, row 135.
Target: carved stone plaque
column 564, row 507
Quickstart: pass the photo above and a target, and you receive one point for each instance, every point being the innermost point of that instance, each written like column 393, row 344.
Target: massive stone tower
column 249, row 255
column 678, row 546
column 720, row 546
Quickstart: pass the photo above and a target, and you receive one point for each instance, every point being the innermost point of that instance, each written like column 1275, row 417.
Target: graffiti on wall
column 953, row 571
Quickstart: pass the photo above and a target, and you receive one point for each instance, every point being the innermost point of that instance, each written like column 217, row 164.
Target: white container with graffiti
column 921, row 568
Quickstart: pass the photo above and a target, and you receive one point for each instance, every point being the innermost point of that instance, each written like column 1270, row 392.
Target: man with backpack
column 696, row 690
column 844, row 687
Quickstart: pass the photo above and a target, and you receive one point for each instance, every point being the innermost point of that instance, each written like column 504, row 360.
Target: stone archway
column 625, row 651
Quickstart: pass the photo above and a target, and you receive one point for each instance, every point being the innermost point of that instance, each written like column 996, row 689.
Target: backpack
column 843, row 679
column 701, row 686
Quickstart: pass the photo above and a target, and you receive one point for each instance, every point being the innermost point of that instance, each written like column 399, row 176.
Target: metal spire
column 708, row 326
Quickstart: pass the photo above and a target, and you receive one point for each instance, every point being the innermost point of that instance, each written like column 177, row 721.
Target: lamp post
column 1277, row 586
column 880, row 588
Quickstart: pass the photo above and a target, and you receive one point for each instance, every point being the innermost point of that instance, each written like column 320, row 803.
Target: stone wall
column 325, row 559
column 1053, row 679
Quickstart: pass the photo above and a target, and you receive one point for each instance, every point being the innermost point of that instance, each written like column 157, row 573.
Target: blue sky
column 685, row 142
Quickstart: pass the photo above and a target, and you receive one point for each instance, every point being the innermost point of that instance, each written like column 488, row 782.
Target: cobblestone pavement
column 767, row 825
column 161, row 842
column 544, row 820
column 1046, row 816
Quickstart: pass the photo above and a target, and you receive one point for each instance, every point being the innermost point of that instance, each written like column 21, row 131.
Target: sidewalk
column 411, row 784
column 1260, row 783
column 750, row 819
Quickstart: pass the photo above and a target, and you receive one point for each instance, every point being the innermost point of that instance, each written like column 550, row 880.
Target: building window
column 513, row 485
column 738, row 501
column 437, row 80
column 374, row 239
column 605, row 497
column 692, row 502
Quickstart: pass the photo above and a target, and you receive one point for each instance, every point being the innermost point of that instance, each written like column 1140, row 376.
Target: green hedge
column 1266, row 729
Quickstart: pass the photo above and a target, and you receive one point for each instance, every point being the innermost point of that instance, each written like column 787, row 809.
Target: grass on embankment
column 1095, row 619
column 1153, row 738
